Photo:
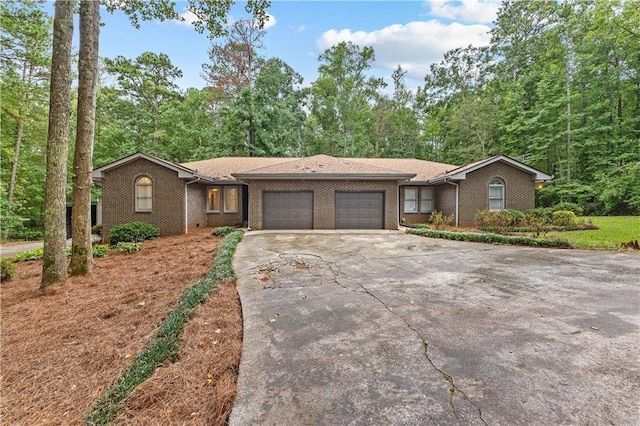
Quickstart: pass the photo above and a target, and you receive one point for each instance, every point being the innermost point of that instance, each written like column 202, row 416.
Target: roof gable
column 460, row 173
column 182, row 171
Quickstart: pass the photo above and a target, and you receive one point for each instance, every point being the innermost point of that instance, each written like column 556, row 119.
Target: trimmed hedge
column 587, row 226
column 490, row 238
column 165, row 344
column 223, row 230
column 132, row 232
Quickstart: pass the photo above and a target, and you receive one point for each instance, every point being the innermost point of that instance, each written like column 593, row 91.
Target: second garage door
column 359, row 210
column 287, row 210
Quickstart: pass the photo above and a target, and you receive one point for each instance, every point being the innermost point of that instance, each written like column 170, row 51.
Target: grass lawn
column 613, row 231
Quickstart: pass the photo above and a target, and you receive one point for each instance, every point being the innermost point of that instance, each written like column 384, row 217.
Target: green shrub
column 491, row 238
column 221, row 231
column 439, row 220
column 126, row 247
column 499, row 219
column 100, row 250
column 132, row 232
column 543, row 213
column 537, row 224
column 96, row 229
column 571, row 207
column 564, row 218
column 418, row 225
column 7, row 269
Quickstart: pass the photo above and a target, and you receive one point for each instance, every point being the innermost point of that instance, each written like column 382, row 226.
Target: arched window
column 496, row 194
column 144, row 194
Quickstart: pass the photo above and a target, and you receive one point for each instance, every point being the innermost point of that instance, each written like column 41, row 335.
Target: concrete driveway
column 389, row 328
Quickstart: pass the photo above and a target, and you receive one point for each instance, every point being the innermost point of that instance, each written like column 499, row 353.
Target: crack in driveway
column 336, row 270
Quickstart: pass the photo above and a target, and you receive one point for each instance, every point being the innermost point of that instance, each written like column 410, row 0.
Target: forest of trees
column 557, row 88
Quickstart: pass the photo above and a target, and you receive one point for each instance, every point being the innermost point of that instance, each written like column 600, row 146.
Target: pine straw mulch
column 62, row 350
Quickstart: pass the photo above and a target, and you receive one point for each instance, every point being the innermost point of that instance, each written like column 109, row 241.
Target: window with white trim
column 213, row 199
column 230, row 199
column 410, row 199
column 426, row 200
column 144, row 194
column 496, row 194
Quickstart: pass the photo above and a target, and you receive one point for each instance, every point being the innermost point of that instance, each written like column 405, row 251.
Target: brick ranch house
column 318, row 192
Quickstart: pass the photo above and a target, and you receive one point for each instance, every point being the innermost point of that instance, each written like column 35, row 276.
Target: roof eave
column 183, row 172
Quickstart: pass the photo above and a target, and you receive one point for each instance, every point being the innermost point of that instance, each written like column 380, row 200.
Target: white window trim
column 425, row 189
column 137, row 207
column 417, row 200
column 219, row 199
column 503, row 195
column 224, row 200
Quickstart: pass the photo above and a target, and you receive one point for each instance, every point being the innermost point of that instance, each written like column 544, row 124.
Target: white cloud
column 470, row 11
column 301, row 28
column 414, row 46
column 188, row 18
column 270, row 21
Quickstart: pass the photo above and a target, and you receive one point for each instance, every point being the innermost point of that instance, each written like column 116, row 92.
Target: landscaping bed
column 62, row 350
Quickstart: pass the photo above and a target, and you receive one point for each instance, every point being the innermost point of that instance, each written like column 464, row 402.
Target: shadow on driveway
column 390, row 328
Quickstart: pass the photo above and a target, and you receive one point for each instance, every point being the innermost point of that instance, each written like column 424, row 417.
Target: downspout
column 186, row 204
column 457, row 197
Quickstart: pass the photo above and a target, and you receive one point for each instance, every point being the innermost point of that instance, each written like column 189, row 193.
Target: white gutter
column 186, row 204
column 457, row 197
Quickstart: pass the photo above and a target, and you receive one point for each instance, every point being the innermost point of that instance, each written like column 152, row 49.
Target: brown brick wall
column 222, row 218
column 118, row 193
column 196, row 205
column 446, row 199
column 323, row 198
column 519, row 188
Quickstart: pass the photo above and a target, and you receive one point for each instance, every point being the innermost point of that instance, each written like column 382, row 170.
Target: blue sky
column 411, row 33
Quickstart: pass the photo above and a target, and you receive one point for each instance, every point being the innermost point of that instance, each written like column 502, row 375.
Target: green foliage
column 498, row 219
column 12, row 224
column 36, row 253
column 563, row 218
column 439, row 220
column 127, row 247
column 577, row 209
column 27, row 255
column 542, row 213
column 100, row 250
column 223, row 230
column 96, row 229
column 491, row 238
column 7, row 269
column 621, row 190
column 165, row 344
column 341, row 101
column 132, row 232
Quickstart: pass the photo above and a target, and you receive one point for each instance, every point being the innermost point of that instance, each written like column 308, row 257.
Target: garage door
column 287, row 210
column 359, row 210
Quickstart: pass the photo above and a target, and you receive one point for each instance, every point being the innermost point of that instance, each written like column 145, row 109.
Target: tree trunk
column 54, row 260
column 81, row 256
